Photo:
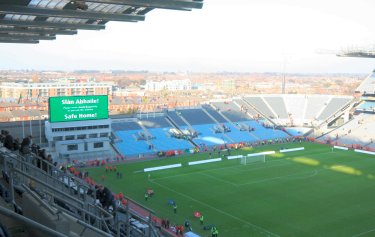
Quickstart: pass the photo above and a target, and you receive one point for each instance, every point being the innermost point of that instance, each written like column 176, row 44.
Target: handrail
column 62, row 210
column 49, row 176
column 72, row 205
column 49, row 186
column 30, row 223
column 54, row 183
column 50, row 166
column 109, row 215
column 93, row 228
column 39, row 199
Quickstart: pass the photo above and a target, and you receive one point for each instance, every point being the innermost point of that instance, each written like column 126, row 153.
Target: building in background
column 79, row 128
column 60, row 87
column 169, row 85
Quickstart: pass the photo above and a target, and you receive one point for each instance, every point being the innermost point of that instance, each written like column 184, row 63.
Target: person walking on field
column 214, row 232
column 175, row 208
column 201, row 219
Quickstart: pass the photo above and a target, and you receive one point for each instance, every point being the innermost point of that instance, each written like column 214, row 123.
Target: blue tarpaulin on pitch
column 191, row 234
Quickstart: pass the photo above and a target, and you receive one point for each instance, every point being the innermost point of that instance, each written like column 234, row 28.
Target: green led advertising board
column 78, row 108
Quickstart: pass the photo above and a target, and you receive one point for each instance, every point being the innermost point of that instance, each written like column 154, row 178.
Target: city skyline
column 240, row 36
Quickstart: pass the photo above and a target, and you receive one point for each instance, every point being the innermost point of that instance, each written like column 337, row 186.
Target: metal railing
column 30, row 223
column 60, row 192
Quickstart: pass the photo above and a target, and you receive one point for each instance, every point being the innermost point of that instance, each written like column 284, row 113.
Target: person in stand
column 8, row 141
column 16, row 144
column 25, row 145
column 105, row 196
column 167, row 224
column 34, row 148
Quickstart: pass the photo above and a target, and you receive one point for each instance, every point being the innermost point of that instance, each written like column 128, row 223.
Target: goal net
column 253, row 158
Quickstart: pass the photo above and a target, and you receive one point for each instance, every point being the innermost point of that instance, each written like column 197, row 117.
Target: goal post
column 253, row 158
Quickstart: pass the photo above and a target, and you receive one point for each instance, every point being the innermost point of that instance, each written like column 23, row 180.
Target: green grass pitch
column 315, row 192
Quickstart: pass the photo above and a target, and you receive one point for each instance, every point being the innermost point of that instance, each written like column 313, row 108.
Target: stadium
column 250, row 165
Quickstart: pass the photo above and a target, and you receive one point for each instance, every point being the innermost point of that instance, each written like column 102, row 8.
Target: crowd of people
column 27, row 147
column 24, row 147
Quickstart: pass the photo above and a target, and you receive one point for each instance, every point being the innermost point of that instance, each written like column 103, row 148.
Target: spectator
column 42, row 154
column 105, row 197
column 35, row 148
column 167, row 223
column 49, row 158
column 16, row 144
column 2, row 136
column 25, row 145
column 8, row 141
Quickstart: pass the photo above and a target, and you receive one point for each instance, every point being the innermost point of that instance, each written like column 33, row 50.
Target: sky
column 224, row 36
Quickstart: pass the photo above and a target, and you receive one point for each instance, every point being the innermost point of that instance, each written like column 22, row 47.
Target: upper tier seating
column 368, row 85
column 214, row 113
column 296, row 106
column 155, row 122
column 196, row 116
column 315, row 104
column 259, row 104
column 231, row 111
column 246, row 107
column 333, row 106
column 124, row 126
column 175, row 117
column 278, row 105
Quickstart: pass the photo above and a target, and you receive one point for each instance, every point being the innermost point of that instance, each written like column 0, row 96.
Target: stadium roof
column 29, row 21
column 357, row 52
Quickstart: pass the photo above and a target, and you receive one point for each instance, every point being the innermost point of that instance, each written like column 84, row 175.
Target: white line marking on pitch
column 218, row 210
column 363, row 233
column 219, row 179
column 279, row 177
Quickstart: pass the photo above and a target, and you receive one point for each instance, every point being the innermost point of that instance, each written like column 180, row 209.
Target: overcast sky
column 226, row 35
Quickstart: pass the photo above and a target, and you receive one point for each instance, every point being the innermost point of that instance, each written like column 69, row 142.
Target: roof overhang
column 29, row 21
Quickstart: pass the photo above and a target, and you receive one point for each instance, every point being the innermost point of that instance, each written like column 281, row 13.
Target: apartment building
column 60, row 87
